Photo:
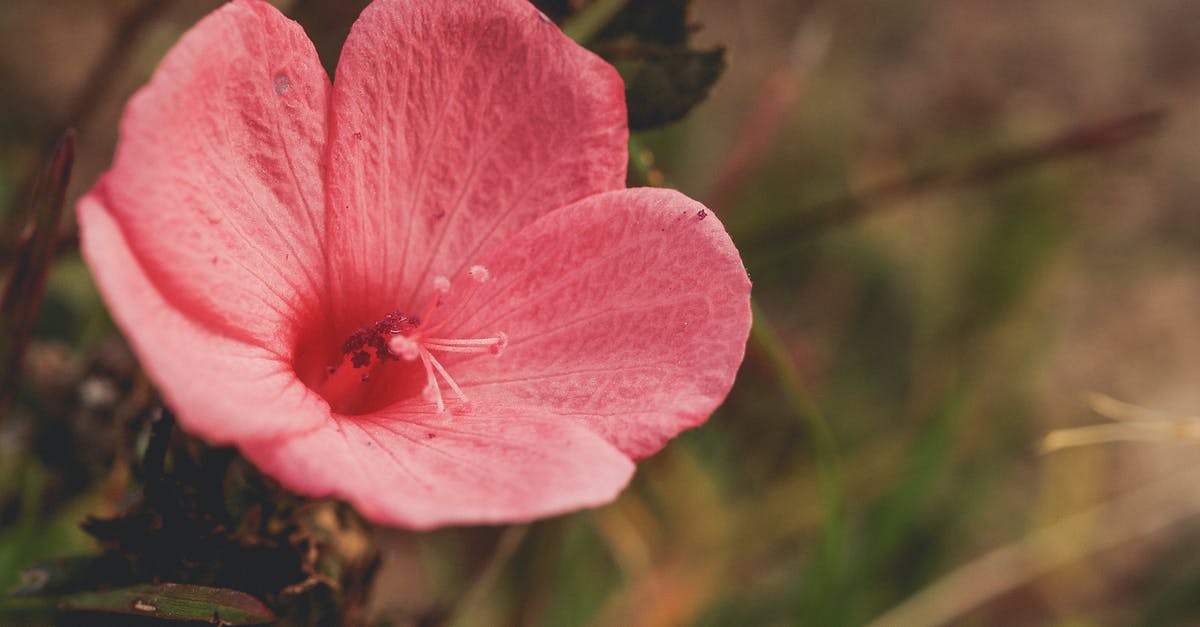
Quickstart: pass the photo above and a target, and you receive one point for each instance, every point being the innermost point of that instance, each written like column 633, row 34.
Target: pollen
column 478, row 273
column 398, row 337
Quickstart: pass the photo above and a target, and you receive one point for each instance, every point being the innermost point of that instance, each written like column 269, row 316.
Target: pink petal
column 222, row 389
column 456, row 122
column 423, row 470
column 627, row 312
column 217, row 181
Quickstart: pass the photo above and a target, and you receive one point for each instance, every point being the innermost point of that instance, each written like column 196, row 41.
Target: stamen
column 457, row 349
column 441, row 285
column 404, row 347
column 446, row 375
column 463, row 342
column 432, row 391
column 494, row 345
column 412, row 347
column 479, row 273
column 398, row 337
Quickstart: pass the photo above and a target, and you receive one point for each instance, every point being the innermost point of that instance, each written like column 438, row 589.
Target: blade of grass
column 931, row 459
column 1141, row 512
column 173, row 602
column 27, row 611
column 464, row 611
column 826, row 574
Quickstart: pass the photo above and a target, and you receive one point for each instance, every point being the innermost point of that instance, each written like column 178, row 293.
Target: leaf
column 172, row 601
column 662, row 86
column 651, row 21
column 648, row 41
column 554, row 9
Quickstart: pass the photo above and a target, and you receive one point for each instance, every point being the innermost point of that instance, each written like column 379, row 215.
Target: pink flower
column 422, row 288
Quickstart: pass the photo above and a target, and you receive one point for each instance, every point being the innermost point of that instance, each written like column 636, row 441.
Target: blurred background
column 961, row 217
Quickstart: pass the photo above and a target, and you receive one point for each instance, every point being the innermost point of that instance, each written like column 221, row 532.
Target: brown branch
column 23, row 295
column 66, row 242
column 1082, row 140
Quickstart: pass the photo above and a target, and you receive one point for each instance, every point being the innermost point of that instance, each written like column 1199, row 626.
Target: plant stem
column 485, row 580
column 583, row 26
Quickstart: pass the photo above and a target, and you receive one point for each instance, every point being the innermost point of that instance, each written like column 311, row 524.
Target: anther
column 404, row 347
column 415, row 342
column 479, row 273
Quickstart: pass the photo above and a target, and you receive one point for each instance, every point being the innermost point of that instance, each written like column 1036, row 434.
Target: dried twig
column 1081, row 140
column 23, row 295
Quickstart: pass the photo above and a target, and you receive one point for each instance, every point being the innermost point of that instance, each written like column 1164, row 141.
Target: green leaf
column 172, row 601
column 665, row 83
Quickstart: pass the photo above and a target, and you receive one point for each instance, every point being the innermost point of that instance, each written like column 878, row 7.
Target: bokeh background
column 961, row 217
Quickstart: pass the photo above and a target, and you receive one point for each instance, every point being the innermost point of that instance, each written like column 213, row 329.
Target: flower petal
column 627, row 312
column 221, row 388
column 456, row 122
column 217, row 181
column 424, row 470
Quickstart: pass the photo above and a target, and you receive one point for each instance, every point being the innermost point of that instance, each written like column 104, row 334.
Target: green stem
column 584, row 25
column 485, row 580
column 765, row 339
column 642, row 172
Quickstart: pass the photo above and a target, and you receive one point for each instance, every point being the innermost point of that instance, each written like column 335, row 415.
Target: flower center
column 376, row 355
